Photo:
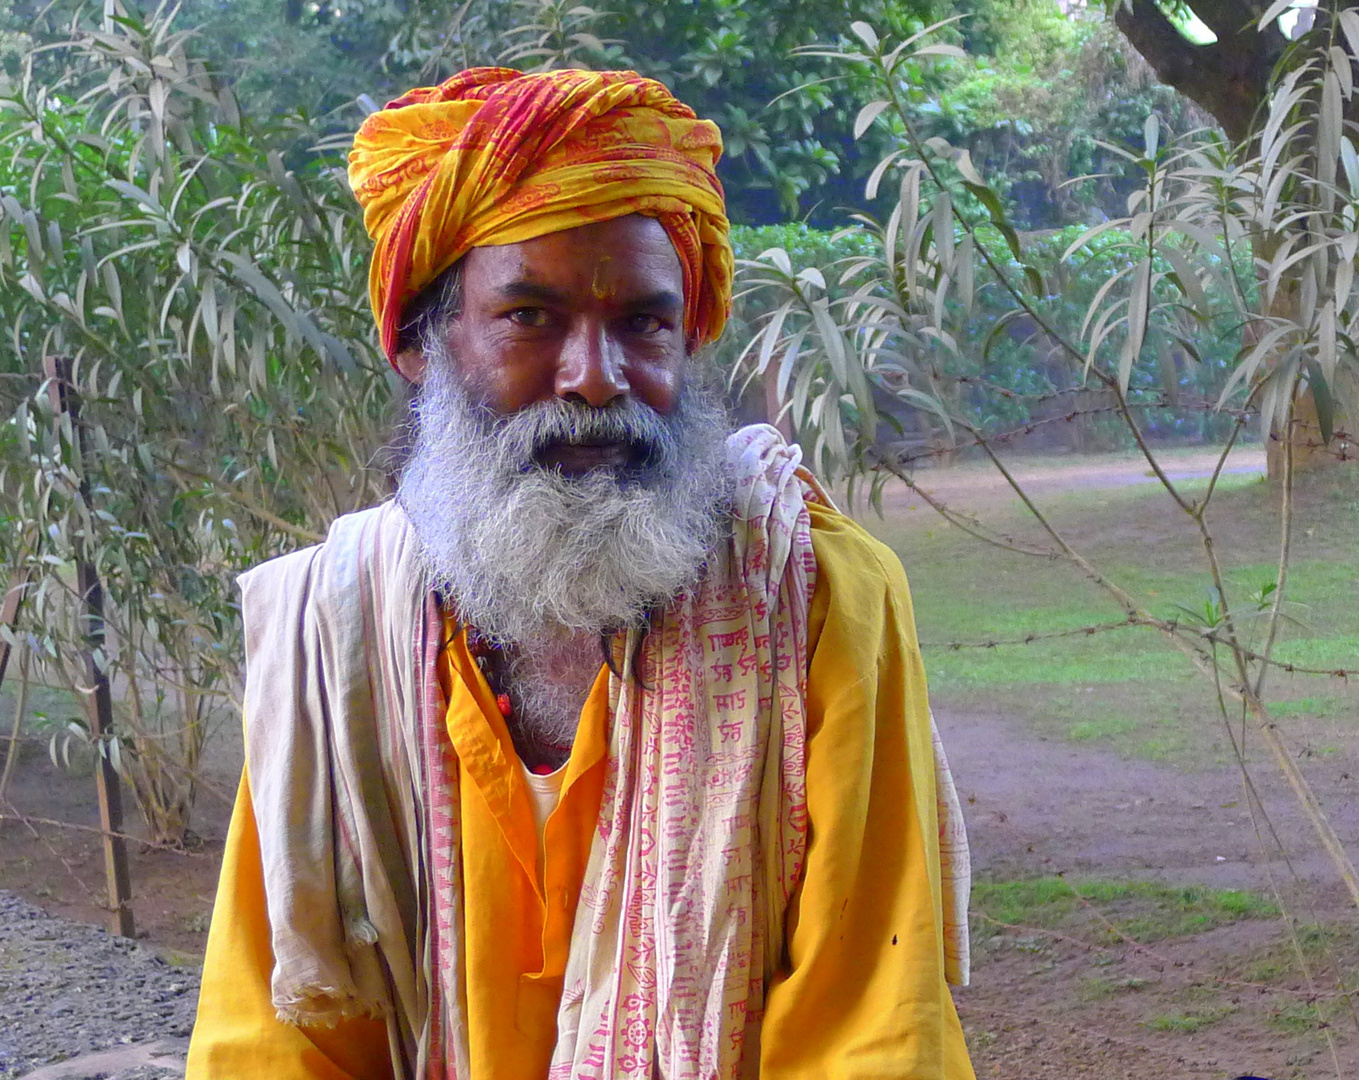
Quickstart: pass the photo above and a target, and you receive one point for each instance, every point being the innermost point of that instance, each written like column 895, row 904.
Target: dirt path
column 1056, row 1003
column 1038, row 803
column 979, row 482
column 1057, row 1007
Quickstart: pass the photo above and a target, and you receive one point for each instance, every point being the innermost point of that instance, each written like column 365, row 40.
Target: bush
column 212, row 306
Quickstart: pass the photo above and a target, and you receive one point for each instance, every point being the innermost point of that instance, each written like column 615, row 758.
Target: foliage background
column 176, row 223
column 1039, row 89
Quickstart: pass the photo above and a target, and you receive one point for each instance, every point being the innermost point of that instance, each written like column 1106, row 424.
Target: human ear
column 411, row 364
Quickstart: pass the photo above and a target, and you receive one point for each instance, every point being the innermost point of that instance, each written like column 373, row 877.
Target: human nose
column 590, row 369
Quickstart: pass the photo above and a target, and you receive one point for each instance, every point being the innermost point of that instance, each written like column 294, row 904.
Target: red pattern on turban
column 493, row 156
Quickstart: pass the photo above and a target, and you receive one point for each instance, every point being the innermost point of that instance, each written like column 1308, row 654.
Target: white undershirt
column 545, row 792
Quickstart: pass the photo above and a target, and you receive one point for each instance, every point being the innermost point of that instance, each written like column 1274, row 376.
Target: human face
column 591, row 315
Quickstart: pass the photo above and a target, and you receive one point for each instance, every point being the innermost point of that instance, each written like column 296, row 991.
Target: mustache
column 527, row 435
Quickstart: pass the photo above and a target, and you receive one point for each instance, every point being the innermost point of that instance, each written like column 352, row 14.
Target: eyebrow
column 662, row 299
column 527, row 290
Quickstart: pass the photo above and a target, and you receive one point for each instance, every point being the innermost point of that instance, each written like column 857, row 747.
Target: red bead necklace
column 487, row 657
column 484, row 653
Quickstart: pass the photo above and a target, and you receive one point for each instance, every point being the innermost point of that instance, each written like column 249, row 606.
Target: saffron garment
column 702, row 824
column 863, row 993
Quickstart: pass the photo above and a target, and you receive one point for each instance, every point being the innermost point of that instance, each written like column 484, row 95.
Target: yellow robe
column 864, row 997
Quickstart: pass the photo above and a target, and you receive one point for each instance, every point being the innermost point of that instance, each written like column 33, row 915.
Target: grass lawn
column 1141, row 910
column 1127, row 687
column 1213, row 974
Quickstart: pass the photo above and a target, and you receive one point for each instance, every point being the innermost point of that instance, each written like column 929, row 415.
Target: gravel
column 68, row 990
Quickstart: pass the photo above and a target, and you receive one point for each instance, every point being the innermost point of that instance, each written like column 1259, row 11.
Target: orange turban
column 493, row 156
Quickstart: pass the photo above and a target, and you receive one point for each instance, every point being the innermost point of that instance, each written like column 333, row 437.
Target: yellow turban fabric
column 494, row 156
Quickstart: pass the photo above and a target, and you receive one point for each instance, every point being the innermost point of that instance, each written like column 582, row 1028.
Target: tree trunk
column 1309, row 450
column 1230, row 79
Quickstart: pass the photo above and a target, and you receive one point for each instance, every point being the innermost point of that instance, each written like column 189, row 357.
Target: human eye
column 532, row 317
column 645, row 323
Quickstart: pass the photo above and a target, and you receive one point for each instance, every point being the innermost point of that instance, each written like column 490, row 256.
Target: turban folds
column 494, row 156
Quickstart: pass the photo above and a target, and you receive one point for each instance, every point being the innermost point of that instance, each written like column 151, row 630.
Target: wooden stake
column 9, row 612
column 9, row 616
column 65, row 401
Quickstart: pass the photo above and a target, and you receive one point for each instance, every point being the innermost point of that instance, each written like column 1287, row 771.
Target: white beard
column 527, row 553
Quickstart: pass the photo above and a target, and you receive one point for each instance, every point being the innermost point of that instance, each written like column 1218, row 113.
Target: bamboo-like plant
column 1292, row 199
column 1289, row 201
column 211, row 301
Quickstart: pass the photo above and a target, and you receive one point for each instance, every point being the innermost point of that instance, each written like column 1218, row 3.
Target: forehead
column 605, row 260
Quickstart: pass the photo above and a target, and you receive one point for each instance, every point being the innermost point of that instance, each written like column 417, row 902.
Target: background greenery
column 177, row 225
column 1038, row 91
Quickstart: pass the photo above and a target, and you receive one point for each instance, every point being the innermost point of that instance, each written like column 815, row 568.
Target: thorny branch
column 1250, row 667
column 1169, row 625
column 1035, row 425
column 30, row 822
column 65, row 862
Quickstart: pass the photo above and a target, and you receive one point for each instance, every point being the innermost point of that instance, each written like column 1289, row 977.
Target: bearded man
column 603, row 750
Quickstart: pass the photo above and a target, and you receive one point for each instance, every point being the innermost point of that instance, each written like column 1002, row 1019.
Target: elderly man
column 603, row 750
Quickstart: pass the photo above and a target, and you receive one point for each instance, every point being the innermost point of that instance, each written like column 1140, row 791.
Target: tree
column 1229, row 77
column 787, row 153
column 1039, row 90
column 1233, row 78
column 947, row 240
column 1037, row 100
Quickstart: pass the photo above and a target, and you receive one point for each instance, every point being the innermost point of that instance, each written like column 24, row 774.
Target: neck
column 548, row 680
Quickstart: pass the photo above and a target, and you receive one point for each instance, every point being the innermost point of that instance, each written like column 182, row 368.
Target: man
column 603, row 750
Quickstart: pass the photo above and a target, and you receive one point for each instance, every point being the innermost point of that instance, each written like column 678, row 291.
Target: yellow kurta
column 864, row 997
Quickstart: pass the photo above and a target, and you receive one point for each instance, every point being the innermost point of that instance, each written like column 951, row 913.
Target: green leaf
column 866, row 34
column 1342, row 66
column 770, row 336
column 788, row 363
column 1186, row 280
column 996, row 210
column 810, row 275
column 831, row 340
column 879, row 171
column 1139, row 295
column 132, row 191
column 942, row 213
column 779, row 258
column 1273, row 12
column 1349, row 24
column 867, row 115
column 963, row 162
column 950, row 51
column 1170, row 376
column 269, row 293
column 1012, row 315
column 1321, row 394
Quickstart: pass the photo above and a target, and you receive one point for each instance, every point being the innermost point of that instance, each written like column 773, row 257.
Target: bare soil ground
column 1060, row 996
column 1070, row 997
column 62, row 868
column 1084, row 1002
